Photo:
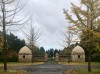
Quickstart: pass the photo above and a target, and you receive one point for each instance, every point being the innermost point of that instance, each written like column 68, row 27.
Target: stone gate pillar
column 46, row 57
column 57, row 57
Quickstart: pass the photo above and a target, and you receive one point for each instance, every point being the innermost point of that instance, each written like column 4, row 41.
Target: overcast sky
column 48, row 17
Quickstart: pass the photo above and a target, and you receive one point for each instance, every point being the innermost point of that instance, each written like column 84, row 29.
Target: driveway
column 46, row 68
column 54, row 68
column 49, row 68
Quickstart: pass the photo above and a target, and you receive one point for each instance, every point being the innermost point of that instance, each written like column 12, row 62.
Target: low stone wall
column 39, row 58
column 61, row 58
column 24, row 60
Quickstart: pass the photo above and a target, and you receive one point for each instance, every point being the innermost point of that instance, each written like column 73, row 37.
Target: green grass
column 17, row 64
column 79, row 63
column 94, row 71
column 51, row 59
column 13, row 72
column 20, row 64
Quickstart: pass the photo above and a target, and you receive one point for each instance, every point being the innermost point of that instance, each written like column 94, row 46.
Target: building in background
column 25, row 54
column 78, row 54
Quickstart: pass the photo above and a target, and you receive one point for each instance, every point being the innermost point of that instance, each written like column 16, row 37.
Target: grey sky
column 48, row 15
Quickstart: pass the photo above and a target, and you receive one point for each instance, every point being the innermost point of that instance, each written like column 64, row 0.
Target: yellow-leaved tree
column 86, row 19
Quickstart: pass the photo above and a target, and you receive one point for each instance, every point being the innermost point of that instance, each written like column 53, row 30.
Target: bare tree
column 7, row 18
column 32, row 37
column 68, row 41
column 1, row 41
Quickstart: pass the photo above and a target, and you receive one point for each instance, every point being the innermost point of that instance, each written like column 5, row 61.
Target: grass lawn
column 78, row 63
column 21, row 64
column 94, row 71
column 17, row 64
column 13, row 72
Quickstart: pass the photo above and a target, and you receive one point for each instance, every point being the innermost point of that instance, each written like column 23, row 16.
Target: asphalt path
column 46, row 68
column 50, row 67
column 53, row 67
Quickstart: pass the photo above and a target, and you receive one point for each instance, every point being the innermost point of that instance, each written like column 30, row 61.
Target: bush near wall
column 13, row 59
column 9, row 59
column 1, row 58
column 94, row 58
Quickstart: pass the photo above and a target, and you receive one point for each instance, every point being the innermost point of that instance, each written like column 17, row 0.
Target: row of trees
column 67, row 50
column 7, row 16
column 52, row 52
column 86, row 21
column 13, row 46
column 14, row 43
column 32, row 36
column 9, row 10
column 39, row 51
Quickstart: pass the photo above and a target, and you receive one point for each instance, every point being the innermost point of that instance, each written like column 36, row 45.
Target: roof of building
column 24, row 50
column 78, row 50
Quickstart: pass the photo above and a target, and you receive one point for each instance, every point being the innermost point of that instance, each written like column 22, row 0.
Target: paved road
column 53, row 68
column 46, row 68
column 49, row 68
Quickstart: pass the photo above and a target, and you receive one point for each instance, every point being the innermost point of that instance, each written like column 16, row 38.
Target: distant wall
column 36, row 58
column 61, row 58
column 73, row 58
column 40, row 58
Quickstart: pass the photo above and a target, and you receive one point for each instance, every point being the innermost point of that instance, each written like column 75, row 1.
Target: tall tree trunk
column 4, row 37
column 32, row 47
column 32, row 56
column 69, row 49
column 89, row 62
column 68, row 56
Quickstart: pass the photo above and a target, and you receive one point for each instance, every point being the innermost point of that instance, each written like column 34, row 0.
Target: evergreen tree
column 51, row 52
column 55, row 51
column 14, row 43
column 42, row 50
